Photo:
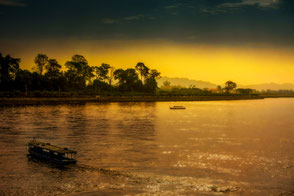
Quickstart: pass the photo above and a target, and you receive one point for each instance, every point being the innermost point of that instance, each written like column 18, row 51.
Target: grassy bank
column 15, row 101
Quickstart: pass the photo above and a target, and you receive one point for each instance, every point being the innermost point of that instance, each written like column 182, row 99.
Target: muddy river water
column 210, row 148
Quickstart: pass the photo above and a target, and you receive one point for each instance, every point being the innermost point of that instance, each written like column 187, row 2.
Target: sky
column 247, row 41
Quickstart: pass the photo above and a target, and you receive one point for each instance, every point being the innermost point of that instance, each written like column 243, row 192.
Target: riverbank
column 16, row 101
column 276, row 96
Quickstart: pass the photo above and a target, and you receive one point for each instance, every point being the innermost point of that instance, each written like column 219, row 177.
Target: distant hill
column 185, row 82
column 271, row 86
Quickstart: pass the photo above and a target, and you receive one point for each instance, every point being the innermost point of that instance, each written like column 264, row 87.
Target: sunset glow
column 214, row 63
column 246, row 41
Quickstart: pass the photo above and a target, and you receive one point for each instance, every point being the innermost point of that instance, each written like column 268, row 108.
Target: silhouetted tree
column 38, row 82
column 79, row 77
column 154, row 74
column 244, row 90
column 230, row 86
column 219, row 89
column 143, row 70
column 98, row 86
column 166, row 83
column 23, row 80
column 111, row 72
column 74, row 81
column 128, row 80
column 150, row 85
column 53, row 67
column 41, row 61
column 102, row 72
column 53, row 76
column 150, row 82
column 8, row 68
column 79, row 72
column 119, row 75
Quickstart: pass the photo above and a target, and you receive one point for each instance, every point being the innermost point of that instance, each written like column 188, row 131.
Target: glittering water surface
column 211, row 148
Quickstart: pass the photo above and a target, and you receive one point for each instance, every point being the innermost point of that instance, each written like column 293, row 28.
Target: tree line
column 230, row 87
column 78, row 75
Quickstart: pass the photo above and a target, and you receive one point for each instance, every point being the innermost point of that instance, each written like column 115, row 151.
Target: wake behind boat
column 177, row 107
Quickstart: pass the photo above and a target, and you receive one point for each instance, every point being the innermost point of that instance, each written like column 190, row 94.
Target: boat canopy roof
column 50, row 147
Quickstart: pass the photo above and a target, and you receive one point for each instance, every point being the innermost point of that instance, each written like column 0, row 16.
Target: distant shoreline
column 25, row 100
column 72, row 100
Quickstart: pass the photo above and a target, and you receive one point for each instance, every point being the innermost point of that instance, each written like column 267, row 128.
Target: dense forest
column 76, row 76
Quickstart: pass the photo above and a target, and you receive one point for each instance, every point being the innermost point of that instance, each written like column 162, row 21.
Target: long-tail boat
column 54, row 154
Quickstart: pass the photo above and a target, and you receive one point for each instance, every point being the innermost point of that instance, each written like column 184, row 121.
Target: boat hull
column 59, row 162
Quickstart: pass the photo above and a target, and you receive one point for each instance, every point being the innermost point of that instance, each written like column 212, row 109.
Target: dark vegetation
column 277, row 93
column 78, row 79
column 49, row 79
column 230, row 89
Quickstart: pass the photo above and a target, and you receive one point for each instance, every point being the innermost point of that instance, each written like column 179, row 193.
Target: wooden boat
column 177, row 107
column 54, row 154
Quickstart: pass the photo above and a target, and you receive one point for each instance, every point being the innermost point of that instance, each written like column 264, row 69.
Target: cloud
column 258, row 3
column 136, row 17
column 233, row 6
column 171, row 6
column 108, row 21
column 13, row 3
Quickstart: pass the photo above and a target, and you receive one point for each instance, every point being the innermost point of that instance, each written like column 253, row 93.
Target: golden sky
column 247, row 41
column 213, row 63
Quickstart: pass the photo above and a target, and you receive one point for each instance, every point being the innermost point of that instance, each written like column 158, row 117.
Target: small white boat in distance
column 177, row 107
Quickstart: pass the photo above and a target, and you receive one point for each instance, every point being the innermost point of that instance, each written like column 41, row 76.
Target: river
column 212, row 147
